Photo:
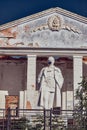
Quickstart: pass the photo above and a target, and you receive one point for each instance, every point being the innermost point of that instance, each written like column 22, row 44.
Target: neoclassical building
column 25, row 45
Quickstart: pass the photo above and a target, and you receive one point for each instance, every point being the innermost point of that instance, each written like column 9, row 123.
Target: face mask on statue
column 51, row 60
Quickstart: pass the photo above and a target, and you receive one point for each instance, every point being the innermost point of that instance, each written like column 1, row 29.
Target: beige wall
column 12, row 75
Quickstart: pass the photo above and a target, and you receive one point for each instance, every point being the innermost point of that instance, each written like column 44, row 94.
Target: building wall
column 12, row 76
column 50, row 30
column 42, row 32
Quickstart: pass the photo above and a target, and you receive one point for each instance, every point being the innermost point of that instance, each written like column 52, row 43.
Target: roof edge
column 44, row 13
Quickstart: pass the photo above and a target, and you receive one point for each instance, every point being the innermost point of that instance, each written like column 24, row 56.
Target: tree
column 80, row 110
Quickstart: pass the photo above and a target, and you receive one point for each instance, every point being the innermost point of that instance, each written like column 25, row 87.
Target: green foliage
column 23, row 123
column 37, row 123
column 57, row 123
column 80, row 110
column 81, row 94
column 20, row 124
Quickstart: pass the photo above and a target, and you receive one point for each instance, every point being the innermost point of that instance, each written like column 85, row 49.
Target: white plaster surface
column 31, row 72
column 77, row 73
column 2, row 98
column 69, row 100
column 36, row 33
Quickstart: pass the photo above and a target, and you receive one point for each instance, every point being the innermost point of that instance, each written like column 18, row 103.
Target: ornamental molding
column 54, row 23
column 42, row 14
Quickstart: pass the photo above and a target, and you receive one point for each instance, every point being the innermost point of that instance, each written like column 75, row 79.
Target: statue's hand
column 38, row 80
column 40, row 89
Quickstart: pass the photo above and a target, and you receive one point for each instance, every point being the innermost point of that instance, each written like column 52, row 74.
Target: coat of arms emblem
column 54, row 23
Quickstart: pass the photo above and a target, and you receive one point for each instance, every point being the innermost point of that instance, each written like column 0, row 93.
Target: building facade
column 25, row 45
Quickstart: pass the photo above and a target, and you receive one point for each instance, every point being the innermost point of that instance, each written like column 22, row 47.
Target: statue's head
column 51, row 60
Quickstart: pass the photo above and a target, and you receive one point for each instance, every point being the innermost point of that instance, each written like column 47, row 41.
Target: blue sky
column 15, row 9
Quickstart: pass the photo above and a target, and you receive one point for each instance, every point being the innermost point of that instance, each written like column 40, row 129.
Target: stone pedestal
column 2, row 98
column 22, row 100
column 64, row 100
column 2, row 101
column 32, row 99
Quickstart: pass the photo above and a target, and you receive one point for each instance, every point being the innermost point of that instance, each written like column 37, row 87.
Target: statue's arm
column 40, row 75
column 59, row 77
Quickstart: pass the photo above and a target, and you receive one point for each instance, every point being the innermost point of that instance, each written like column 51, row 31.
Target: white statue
column 51, row 81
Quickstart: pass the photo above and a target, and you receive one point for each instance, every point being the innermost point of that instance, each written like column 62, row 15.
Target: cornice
column 44, row 51
column 45, row 13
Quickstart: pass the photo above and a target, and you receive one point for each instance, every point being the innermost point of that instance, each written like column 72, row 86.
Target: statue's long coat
column 58, row 78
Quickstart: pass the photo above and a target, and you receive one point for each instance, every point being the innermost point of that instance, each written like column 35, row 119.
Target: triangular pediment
column 55, row 28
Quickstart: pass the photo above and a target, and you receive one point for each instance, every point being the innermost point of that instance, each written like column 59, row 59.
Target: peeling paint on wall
column 28, row 105
column 45, row 32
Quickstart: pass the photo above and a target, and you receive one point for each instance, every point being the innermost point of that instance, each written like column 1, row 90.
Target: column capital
column 28, row 56
column 77, row 56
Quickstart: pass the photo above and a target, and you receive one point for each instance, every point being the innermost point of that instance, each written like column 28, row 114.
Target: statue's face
column 51, row 60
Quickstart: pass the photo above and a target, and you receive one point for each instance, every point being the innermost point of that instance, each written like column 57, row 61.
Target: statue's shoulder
column 57, row 69
column 44, row 68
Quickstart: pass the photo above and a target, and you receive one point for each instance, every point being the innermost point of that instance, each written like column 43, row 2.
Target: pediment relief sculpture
column 55, row 23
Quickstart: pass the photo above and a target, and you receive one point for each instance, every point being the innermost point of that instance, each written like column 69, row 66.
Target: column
column 31, row 93
column 31, row 72
column 77, row 72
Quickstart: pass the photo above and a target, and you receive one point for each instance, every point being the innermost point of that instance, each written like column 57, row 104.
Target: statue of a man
column 51, row 81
